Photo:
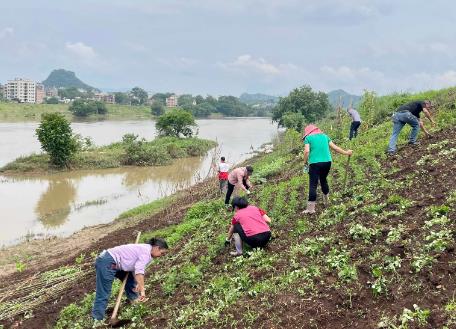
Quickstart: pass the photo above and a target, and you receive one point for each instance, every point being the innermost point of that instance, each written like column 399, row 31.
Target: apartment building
column 52, row 92
column 40, row 94
column 107, row 98
column 21, row 90
column 171, row 101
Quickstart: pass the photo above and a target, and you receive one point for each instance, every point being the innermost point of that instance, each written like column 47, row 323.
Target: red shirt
column 251, row 220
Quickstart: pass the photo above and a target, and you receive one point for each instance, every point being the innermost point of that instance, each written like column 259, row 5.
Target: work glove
column 247, row 192
column 227, row 242
column 306, row 169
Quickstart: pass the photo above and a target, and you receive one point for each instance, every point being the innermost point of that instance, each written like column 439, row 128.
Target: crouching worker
column 249, row 225
column 118, row 262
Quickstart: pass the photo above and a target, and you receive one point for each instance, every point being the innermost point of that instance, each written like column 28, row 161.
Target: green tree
column 176, row 123
column 139, row 95
column 157, row 108
column 199, row 99
column 122, row 98
column 312, row 105
column 52, row 100
column 161, row 97
column 56, row 138
column 185, row 100
column 84, row 108
column 293, row 120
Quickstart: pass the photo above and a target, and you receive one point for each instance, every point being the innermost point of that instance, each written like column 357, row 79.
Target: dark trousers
column 318, row 172
column 259, row 240
column 230, row 190
column 354, row 129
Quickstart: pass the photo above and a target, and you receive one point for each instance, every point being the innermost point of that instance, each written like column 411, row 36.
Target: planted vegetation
column 381, row 255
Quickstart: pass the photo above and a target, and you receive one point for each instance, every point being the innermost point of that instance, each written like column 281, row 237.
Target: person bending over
column 317, row 153
column 239, row 177
column 356, row 122
column 116, row 263
column 409, row 114
column 249, row 225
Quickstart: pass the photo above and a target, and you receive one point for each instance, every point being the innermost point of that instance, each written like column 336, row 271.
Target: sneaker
column 414, row 144
column 235, row 254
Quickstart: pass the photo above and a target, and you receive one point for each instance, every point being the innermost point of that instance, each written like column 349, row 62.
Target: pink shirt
column 132, row 257
column 237, row 175
column 251, row 220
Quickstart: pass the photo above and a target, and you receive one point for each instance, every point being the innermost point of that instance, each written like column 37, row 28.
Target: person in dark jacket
column 409, row 114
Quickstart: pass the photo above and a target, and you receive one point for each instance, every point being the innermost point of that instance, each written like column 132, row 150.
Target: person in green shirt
column 318, row 156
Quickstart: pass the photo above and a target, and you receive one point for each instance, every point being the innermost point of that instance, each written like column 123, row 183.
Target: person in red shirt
column 249, row 225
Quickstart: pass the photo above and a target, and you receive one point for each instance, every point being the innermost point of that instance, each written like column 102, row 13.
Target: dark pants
column 318, row 172
column 106, row 273
column 230, row 190
column 259, row 240
column 354, row 129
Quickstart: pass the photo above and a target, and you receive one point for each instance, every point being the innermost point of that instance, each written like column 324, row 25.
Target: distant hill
column 63, row 79
column 346, row 98
column 251, row 99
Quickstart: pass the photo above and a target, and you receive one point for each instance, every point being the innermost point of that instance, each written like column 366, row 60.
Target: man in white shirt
column 356, row 122
column 222, row 170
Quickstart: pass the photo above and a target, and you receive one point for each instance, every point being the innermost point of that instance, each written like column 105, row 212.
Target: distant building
column 52, row 92
column 107, row 98
column 171, row 101
column 21, row 90
column 40, row 94
column 2, row 91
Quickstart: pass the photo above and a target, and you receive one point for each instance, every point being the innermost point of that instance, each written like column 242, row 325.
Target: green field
column 13, row 112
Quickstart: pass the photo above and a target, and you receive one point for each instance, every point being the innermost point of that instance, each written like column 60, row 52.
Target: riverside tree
column 157, row 108
column 310, row 104
column 176, row 123
column 84, row 108
column 56, row 138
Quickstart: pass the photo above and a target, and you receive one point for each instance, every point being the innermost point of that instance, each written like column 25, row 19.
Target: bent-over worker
column 239, row 177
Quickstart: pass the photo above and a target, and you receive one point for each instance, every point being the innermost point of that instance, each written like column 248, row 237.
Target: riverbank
column 15, row 112
column 130, row 152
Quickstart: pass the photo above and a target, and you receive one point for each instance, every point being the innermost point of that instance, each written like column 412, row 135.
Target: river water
column 63, row 203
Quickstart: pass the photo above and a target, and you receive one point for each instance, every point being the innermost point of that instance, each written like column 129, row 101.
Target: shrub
column 176, row 123
column 157, row 109
column 84, row 108
column 56, row 138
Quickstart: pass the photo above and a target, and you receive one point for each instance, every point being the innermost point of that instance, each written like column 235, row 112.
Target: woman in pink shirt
column 117, row 262
column 239, row 177
column 249, row 225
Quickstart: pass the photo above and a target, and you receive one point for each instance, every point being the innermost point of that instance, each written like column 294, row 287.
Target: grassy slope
column 159, row 151
column 11, row 112
column 382, row 246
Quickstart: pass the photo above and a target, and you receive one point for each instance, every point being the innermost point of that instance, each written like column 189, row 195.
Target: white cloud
column 347, row 73
column 6, row 32
column 247, row 64
column 81, row 50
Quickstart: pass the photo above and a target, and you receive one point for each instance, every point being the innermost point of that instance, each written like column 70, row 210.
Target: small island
column 65, row 151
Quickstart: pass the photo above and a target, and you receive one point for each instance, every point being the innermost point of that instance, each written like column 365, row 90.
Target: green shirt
column 319, row 148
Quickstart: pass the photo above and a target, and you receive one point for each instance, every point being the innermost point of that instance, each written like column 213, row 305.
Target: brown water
column 63, row 203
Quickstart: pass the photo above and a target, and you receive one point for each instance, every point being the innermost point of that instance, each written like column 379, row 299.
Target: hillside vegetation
column 380, row 256
column 64, row 79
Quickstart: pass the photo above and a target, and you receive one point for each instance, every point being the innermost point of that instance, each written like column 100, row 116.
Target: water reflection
column 55, row 203
column 63, row 203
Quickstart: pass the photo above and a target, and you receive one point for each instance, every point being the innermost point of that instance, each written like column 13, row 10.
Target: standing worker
column 249, row 225
column 222, row 170
column 356, row 122
column 238, row 177
column 118, row 262
column 409, row 114
column 317, row 154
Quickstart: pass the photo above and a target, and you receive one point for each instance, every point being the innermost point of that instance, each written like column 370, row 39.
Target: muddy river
column 60, row 204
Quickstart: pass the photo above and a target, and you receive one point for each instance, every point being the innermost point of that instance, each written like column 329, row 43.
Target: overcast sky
column 233, row 46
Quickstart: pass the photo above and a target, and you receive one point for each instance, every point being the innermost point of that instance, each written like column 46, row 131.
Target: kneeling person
column 249, row 225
